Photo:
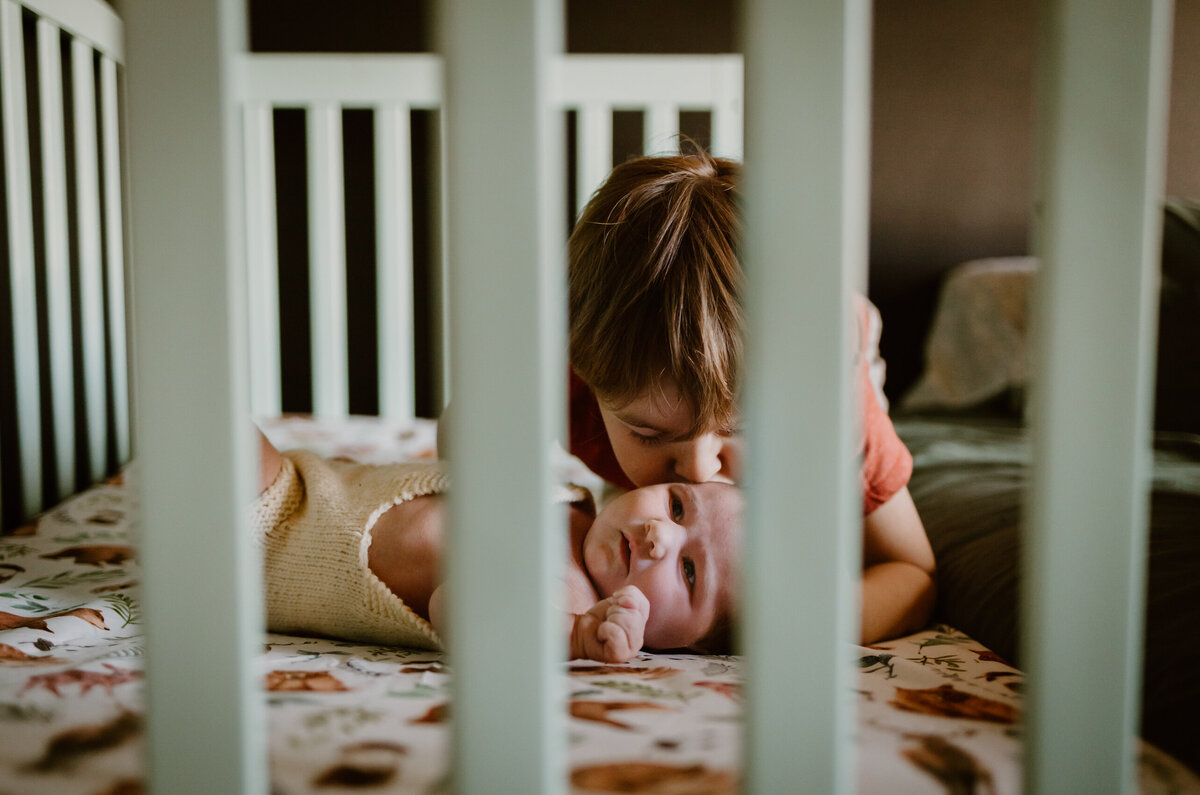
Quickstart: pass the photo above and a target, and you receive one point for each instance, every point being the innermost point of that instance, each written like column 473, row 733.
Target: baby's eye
column 676, row 509
column 689, row 573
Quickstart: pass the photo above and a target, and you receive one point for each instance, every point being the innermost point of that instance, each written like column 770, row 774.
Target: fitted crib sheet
column 937, row 711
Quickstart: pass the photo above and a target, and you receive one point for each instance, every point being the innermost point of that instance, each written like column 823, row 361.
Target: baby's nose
column 662, row 538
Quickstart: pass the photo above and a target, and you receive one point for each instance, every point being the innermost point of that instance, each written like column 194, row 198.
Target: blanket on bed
column 937, row 711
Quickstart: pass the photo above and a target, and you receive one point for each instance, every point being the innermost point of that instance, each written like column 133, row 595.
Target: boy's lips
column 625, row 552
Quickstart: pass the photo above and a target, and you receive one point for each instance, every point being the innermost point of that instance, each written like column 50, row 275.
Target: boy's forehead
column 659, row 406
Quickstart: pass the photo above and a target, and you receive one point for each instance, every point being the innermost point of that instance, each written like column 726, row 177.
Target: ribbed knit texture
column 313, row 524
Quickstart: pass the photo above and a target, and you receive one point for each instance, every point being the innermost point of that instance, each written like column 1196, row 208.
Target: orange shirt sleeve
column 886, row 463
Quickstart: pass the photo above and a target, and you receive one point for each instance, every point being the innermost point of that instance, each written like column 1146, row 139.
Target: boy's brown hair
column 654, row 285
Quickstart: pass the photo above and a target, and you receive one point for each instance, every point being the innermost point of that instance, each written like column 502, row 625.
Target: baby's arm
column 612, row 629
column 898, row 588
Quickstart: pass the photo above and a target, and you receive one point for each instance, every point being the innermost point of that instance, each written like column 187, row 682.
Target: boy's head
column 654, row 304
column 680, row 544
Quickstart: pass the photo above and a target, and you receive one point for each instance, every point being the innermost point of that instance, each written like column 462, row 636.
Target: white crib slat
column 262, row 258
column 205, row 731
column 1102, row 159
column 727, row 115
column 661, row 130
column 327, row 259
column 807, row 71
column 94, row 21
column 508, row 297
column 394, row 261
column 58, row 268
column 114, row 214
column 594, row 159
column 91, row 263
column 442, row 315
column 20, row 247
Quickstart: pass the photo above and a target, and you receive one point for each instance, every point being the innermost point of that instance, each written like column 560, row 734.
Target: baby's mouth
column 625, row 552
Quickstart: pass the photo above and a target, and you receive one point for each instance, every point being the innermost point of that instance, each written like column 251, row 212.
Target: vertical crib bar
column 807, row 71
column 727, row 115
column 58, row 267
column 91, row 262
column 1102, row 156
column 393, row 181
column 114, row 213
column 262, row 258
column 20, row 252
column 661, row 128
column 327, row 260
column 205, row 731
column 595, row 149
column 509, row 363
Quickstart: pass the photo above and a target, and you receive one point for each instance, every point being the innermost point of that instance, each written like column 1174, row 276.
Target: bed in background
column 963, row 421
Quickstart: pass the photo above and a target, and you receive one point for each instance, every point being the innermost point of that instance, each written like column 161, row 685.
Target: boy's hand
column 612, row 630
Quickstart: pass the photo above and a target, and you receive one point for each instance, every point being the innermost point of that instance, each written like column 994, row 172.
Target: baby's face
column 680, row 544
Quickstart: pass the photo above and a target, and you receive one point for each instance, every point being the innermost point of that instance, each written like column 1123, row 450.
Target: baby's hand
column 612, row 630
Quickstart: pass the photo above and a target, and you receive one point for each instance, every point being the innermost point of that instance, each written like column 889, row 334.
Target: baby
column 355, row 551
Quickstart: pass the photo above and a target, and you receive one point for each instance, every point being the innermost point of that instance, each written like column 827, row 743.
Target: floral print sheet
column 936, row 712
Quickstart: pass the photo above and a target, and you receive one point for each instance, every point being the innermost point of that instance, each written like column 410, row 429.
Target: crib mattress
column 936, row 711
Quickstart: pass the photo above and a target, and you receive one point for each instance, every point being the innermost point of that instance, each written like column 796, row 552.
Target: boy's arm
column 898, row 582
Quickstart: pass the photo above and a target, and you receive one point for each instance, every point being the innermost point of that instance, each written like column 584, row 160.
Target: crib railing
column 392, row 87
column 198, row 216
column 68, row 418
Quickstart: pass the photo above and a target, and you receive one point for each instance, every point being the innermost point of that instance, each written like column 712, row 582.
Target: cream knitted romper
column 313, row 525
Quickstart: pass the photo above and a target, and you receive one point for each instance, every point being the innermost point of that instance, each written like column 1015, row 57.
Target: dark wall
column 953, row 113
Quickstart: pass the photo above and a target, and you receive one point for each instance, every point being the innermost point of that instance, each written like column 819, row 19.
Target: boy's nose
column 699, row 460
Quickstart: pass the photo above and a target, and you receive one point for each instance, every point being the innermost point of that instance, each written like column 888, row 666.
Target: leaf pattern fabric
column 936, row 712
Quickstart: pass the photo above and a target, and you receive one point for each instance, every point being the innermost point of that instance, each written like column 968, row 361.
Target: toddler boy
column 655, row 347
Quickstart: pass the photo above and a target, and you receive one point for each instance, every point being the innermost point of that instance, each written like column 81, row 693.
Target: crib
column 206, row 346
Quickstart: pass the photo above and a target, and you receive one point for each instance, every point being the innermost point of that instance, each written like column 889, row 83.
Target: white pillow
column 977, row 347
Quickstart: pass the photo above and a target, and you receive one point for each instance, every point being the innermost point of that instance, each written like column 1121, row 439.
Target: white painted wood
column 414, row 79
column 327, row 260
column 635, row 81
column 727, row 112
column 1103, row 113
column 205, row 731
column 442, row 310
column 58, row 268
column 807, row 73
column 114, row 215
column 508, row 297
column 394, row 261
column 93, row 21
column 91, row 254
column 22, row 280
column 262, row 258
column 661, row 129
column 594, row 154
